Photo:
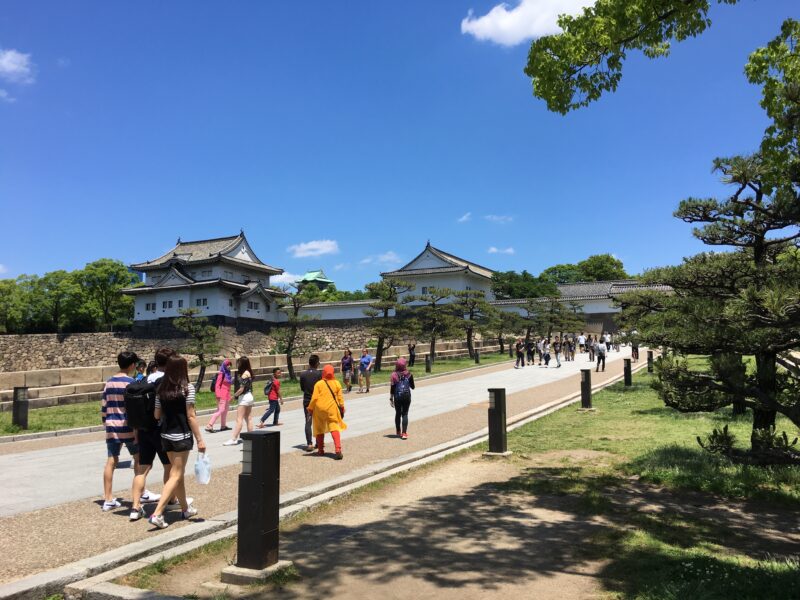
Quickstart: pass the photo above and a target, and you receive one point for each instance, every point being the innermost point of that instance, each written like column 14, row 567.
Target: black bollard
column 427, row 363
column 259, row 488
column 497, row 422
column 649, row 361
column 19, row 408
column 477, row 357
column 586, row 389
column 627, row 371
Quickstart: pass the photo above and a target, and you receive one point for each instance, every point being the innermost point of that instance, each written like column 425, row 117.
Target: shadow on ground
column 640, row 541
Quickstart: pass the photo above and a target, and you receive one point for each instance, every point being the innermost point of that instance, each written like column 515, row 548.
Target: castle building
column 222, row 278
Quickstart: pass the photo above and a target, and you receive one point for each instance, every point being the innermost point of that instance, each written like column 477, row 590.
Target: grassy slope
column 668, row 554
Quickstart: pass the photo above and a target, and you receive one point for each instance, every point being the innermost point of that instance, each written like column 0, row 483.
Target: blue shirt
column 364, row 362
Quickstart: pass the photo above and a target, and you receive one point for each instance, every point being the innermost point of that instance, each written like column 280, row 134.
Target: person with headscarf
column 327, row 409
column 222, row 390
column 402, row 382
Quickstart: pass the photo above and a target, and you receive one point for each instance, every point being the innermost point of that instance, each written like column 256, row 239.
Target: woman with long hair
column 347, row 369
column 175, row 410
column 402, row 382
column 222, row 390
column 244, row 393
column 327, row 409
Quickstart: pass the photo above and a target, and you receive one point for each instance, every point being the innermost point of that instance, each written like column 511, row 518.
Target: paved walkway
column 63, row 479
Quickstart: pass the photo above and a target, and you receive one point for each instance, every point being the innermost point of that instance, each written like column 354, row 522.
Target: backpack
column 402, row 389
column 140, row 404
column 214, row 382
column 268, row 388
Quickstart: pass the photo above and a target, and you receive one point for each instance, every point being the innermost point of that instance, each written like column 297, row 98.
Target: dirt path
column 446, row 532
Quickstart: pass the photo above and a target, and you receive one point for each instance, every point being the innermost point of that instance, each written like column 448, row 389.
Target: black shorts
column 150, row 445
column 179, row 446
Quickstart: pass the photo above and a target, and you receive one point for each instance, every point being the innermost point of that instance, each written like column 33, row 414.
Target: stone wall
column 51, row 351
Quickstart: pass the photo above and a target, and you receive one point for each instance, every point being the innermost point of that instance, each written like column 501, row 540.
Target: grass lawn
column 88, row 413
column 634, row 451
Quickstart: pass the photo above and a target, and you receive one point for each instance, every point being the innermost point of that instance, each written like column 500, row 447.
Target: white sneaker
column 189, row 512
column 149, row 496
column 175, row 502
column 235, row 442
column 136, row 514
column 158, row 521
column 107, row 506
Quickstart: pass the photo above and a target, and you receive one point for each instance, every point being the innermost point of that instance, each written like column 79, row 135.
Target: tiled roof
column 457, row 265
column 340, row 303
column 591, row 290
column 202, row 251
column 315, row 276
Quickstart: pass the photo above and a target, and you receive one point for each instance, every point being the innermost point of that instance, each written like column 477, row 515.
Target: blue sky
column 373, row 125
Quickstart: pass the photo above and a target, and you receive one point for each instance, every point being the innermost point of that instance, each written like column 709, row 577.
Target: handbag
column 339, row 406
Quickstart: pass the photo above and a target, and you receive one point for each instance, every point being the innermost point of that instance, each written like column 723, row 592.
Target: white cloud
column 3, row 269
column 284, row 278
column 16, row 67
column 465, row 217
column 388, row 258
column 530, row 19
column 314, row 248
column 494, row 250
column 341, row 267
column 63, row 62
column 499, row 219
column 6, row 97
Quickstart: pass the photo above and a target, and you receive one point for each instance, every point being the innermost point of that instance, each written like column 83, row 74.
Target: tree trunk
column 289, row 350
column 502, row 346
column 528, row 335
column 470, row 347
column 433, row 348
column 379, row 354
column 201, row 374
column 766, row 376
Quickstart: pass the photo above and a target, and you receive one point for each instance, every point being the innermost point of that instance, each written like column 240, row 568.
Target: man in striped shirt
column 116, row 422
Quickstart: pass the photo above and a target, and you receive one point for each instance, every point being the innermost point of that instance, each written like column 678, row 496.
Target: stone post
column 627, row 371
column 19, row 408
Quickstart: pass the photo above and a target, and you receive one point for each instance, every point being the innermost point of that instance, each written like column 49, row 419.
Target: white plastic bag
column 202, row 468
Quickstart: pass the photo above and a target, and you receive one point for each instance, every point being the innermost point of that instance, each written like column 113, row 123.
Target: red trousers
column 337, row 442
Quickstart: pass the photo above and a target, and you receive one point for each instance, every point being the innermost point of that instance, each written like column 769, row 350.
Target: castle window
column 201, row 302
column 180, row 303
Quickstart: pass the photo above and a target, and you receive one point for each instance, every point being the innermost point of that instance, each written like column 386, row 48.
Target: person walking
column 365, row 366
column 141, row 370
column 546, row 356
column 635, row 348
column 308, row 380
column 114, row 418
column 401, row 384
column 590, row 346
column 520, row 348
column 244, row 393
column 601, row 355
column 529, row 346
column 175, row 408
column 412, row 354
column 540, row 350
column 327, row 409
column 222, row 390
column 557, row 352
column 582, row 343
column 273, row 393
column 347, row 371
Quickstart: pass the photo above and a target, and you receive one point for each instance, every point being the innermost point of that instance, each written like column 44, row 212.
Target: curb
column 26, row 437
column 91, row 578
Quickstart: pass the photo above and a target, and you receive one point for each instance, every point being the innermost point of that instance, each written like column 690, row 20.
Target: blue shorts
column 114, row 447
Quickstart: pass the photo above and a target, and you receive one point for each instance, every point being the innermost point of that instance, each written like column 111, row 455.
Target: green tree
column 500, row 324
column 437, row 318
column 602, row 267
column 388, row 297
column 476, row 313
column 510, row 284
column 203, row 339
column 574, row 68
column 561, row 274
column 63, row 298
column 11, row 307
column 103, row 279
column 288, row 336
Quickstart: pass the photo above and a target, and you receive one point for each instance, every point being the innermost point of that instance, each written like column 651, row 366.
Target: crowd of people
column 543, row 350
column 150, row 409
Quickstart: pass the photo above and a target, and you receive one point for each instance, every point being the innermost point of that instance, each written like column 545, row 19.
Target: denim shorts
column 114, row 447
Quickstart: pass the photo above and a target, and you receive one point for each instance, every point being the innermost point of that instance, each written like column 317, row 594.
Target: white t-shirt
column 155, row 376
column 581, row 339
